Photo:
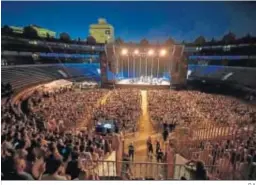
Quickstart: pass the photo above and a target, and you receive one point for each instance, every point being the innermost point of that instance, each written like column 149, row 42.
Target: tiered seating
column 21, row 76
column 237, row 75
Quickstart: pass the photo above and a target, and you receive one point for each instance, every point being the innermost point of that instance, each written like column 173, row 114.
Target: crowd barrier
column 208, row 145
column 144, row 170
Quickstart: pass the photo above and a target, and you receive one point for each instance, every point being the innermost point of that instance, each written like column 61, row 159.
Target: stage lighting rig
column 151, row 52
column 136, row 52
column 124, row 52
column 162, row 53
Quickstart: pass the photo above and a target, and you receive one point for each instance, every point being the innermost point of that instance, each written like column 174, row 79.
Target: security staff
column 131, row 151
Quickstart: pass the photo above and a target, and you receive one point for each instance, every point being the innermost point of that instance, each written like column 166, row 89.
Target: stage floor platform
column 143, row 84
column 152, row 81
column 137, row 86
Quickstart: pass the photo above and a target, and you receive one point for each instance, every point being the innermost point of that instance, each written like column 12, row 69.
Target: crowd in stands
column 196, row 109
column 65, row 107
column 123, row 107
column 231, row 158
column 234, row 158
column 43, row 144
column 31, row 150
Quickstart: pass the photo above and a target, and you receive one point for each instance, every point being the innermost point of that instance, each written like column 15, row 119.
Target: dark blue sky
column 133, row 21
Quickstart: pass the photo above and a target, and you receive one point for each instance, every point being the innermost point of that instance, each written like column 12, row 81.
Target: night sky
column 133, row 21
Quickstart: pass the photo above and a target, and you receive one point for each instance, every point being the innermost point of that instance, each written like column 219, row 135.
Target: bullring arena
column 83, row 110
column 215, row 129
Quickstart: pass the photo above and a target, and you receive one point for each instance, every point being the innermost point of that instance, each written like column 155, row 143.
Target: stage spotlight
column 151, row 52
column 162, row 52
column 124, row 52
column 136, row 52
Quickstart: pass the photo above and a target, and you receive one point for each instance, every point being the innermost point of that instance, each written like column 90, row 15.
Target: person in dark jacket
column 159, row 156
column 73, row 168
column 165, row 134
column 131, row 151
column 197, row 170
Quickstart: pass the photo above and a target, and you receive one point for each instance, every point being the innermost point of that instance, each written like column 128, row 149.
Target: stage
column 143, row 83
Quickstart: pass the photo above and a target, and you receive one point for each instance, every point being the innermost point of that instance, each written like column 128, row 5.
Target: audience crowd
column 123, row 107
column 43, row 144
column 195, row 110
column 65, row 107
column 33, row 150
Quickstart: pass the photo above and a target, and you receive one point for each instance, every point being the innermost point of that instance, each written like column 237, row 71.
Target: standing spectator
column 159, row 156
column 55, row 170
column 74, row 166
column 247, row 169
column 19, row 171
column 131, row 151
column 165, row 134
column 197, row 170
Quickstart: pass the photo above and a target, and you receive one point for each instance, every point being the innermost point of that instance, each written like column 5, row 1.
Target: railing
column 143, row 170
column 207, row 145
column 226, row 132
column 128, row 169
column 187, row 145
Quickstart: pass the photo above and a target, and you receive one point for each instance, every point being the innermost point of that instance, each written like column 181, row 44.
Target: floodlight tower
column 135, row 53
column 124, row 53
column 161, row 54
column 151, row 53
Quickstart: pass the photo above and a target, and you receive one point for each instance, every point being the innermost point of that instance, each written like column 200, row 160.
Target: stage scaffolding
column 147, row 62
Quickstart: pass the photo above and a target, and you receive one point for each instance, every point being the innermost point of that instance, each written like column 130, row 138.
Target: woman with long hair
column 197, row 170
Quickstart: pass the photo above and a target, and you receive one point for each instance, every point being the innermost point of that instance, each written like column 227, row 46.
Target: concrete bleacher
column 25, row 75
column 238, row 75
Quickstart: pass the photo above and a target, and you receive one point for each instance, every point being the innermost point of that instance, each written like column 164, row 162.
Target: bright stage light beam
column 162, row 52
column 136, row 52
column 124, row 52
column 151, row 52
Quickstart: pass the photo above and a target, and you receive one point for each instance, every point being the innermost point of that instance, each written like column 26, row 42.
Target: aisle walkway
column 103, row 100
column 145, row 129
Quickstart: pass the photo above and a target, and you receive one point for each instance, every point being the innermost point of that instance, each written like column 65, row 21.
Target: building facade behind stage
column 102, row 32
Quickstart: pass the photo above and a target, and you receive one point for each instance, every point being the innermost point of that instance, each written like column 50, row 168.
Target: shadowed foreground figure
column 196, row 170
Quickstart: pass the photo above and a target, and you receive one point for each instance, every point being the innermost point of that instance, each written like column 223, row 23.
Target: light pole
column 134, row 75
column 146, row 66
column 122, row 68
column 151, row 53
column 117, row 66
column 140, row 66
column 162, row 54
column 157, row 66
column 124, row 52
column 152, row 66
column 128, row 67
column 135, row 53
